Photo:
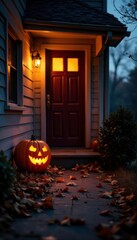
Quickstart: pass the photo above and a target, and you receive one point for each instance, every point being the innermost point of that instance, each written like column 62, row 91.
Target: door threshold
column 69, row 157
column 75, row 152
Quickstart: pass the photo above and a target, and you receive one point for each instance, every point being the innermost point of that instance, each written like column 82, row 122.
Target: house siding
column 18, row 125
column 15, row 125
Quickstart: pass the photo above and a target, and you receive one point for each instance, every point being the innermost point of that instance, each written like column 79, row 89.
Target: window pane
column 12, row 84
column 57, row 64
column 12, row 52
column 72, row 65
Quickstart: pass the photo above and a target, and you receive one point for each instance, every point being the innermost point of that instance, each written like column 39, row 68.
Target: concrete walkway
column 82, row 201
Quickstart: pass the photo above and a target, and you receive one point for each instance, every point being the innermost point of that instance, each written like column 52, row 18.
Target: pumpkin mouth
column 38, row 161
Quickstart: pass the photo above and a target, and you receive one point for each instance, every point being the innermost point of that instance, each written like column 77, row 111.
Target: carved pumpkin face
column 38, row 156
column 32, row 155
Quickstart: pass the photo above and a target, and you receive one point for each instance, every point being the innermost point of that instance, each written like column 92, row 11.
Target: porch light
column 36, row 59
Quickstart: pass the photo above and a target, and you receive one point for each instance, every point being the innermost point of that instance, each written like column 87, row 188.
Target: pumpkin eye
column 32, row 149
column 44, row 149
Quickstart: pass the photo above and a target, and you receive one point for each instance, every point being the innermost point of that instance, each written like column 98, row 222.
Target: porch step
column 69, row 157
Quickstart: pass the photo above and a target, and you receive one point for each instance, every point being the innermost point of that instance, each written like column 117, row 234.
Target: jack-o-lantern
column 32, row 155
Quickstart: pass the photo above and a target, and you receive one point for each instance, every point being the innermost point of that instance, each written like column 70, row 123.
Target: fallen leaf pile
column 30, row 193
column 33, row 193
column 124, row 228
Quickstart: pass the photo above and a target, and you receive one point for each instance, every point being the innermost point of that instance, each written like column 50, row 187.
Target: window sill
column 14, row 107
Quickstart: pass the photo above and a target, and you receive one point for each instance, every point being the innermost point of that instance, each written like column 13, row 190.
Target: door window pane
column 57, row 64
column 72, row 65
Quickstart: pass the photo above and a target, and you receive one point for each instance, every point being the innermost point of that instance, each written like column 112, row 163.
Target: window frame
column 18, row 105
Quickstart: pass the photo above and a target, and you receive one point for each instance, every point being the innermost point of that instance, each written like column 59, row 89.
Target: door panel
column 73, row 90
column 65, row 92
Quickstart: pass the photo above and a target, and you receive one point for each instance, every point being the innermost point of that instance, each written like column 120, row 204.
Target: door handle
column 48, row 101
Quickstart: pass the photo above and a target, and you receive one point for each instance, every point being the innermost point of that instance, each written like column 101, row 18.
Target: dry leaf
column 48, row 238
column 53, row 221
column 85, row 175
column 130, row 197
column 25, row 214
column 65, row 189
column 99, row 185
column 72, row 178
column 71, row 184
column 47, row 203
column 59, row 194
column 66, row 221
column 72, row 221
column 108, row 179
column 82, row 190
column 114, row 182
column 103, row 230
column 60, row 180
column 76, row 168
column 107, row 195
column 106, row 213
column 115, row 228
column 74, row 197
column 77, row 221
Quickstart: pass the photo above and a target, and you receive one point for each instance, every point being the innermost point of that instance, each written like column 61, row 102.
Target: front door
column 65, row 100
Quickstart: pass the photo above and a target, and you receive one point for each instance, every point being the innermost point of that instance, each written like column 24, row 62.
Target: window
column 14, row 75
column 57, row 64
column 72, row 65
column 12, row 70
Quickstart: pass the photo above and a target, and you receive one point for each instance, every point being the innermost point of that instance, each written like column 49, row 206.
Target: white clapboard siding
column 94, row 96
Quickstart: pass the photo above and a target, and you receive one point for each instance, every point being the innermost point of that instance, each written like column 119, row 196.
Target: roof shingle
column 69, row 12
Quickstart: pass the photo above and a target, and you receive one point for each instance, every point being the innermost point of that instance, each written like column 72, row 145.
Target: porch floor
column 68, row 157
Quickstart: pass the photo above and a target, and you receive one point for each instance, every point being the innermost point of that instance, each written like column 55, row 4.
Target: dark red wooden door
column 65, row 74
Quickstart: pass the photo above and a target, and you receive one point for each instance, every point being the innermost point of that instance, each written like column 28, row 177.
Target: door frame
column 87, row 49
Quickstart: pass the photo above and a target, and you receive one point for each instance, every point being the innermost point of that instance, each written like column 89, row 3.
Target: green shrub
column 6, row 176
column 118, row 139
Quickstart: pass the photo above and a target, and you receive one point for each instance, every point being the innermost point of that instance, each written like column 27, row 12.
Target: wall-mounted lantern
column 36, row 58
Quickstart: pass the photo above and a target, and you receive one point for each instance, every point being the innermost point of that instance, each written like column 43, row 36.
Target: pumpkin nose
column 39, row 154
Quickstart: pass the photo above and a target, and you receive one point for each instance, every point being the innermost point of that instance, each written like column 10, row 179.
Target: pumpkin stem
column 33, row 138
